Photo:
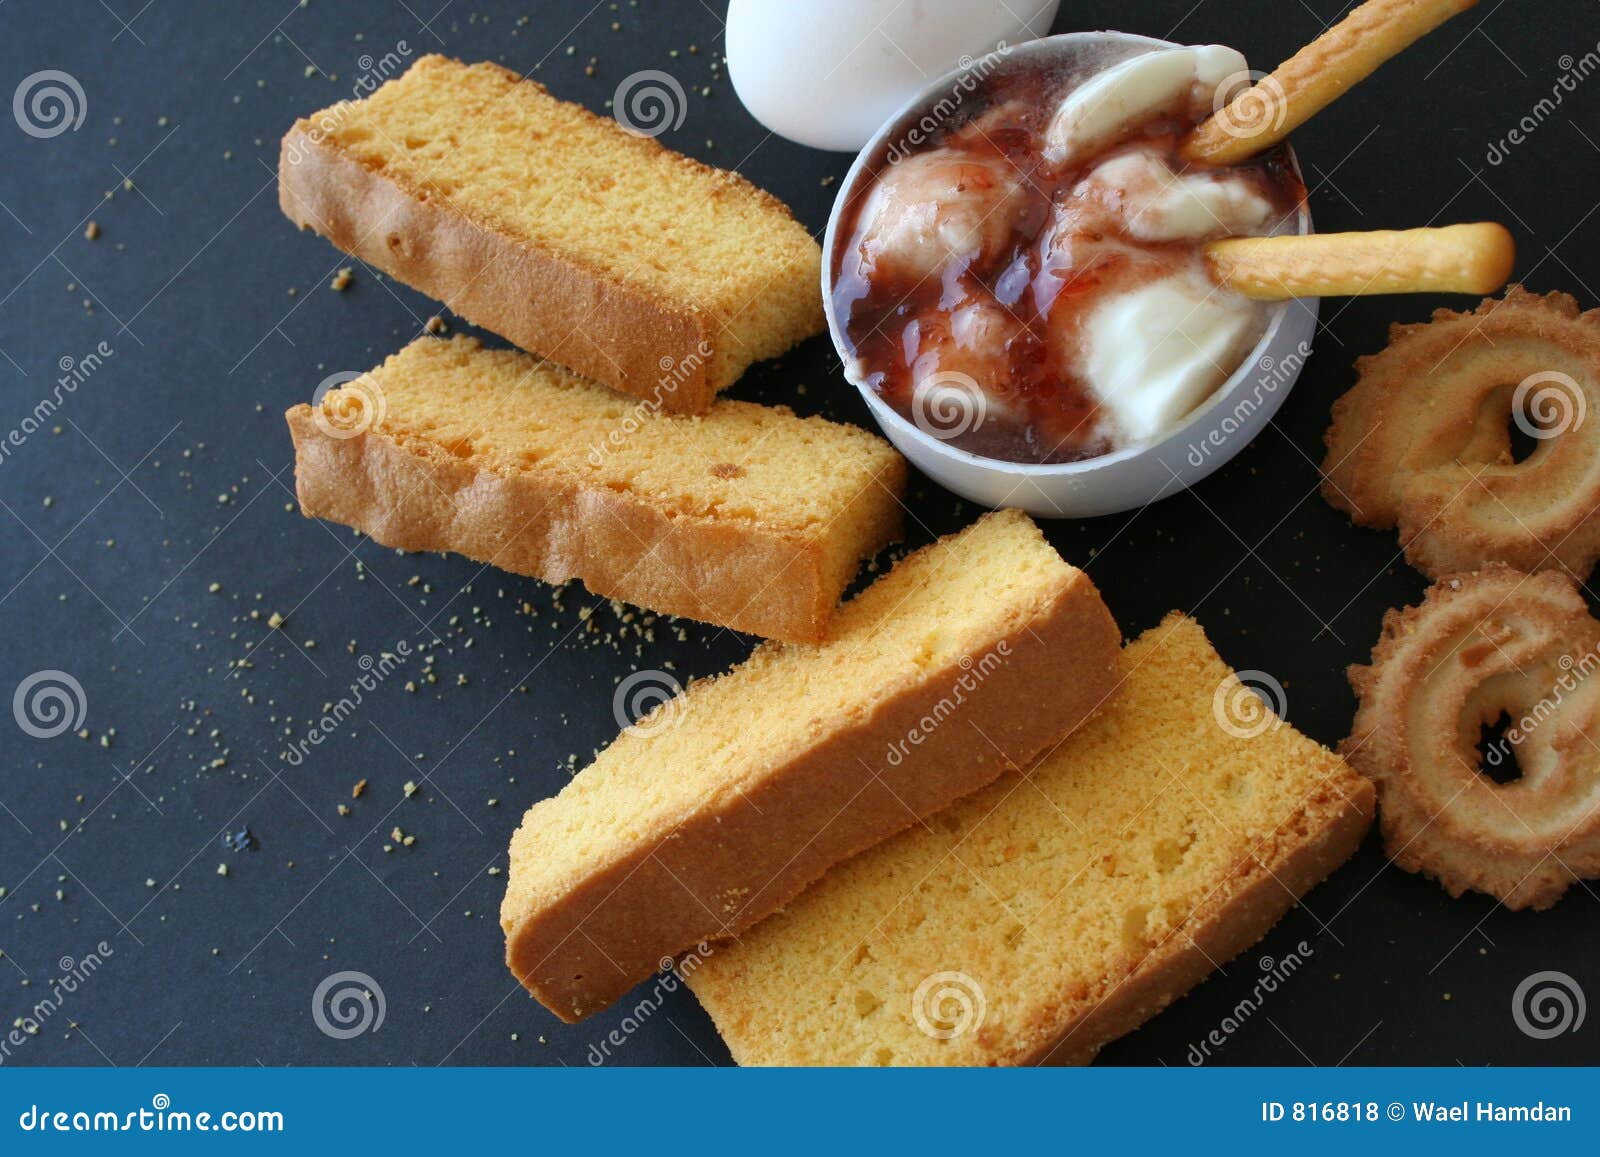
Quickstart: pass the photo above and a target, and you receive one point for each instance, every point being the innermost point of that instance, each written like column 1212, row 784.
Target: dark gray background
column 172, row 471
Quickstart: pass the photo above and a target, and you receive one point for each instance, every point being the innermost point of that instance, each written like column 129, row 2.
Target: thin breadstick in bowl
column 1259, row 116
column 1474, row 258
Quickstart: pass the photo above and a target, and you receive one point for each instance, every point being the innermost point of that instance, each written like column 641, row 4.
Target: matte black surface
column 171, row 472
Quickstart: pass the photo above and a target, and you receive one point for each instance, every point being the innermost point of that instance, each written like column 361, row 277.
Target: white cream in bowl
column 1043, row 337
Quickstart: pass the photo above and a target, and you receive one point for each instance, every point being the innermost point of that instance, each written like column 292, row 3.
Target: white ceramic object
column 827, row 73
column 1125, row 479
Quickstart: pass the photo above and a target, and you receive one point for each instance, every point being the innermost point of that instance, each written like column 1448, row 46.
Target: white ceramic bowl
column 1125, row 479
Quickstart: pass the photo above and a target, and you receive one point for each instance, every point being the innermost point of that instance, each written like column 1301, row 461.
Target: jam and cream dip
column 1027, row 280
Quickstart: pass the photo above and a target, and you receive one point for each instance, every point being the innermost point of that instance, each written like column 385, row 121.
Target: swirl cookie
column 1422, row 441
column 1479, row 645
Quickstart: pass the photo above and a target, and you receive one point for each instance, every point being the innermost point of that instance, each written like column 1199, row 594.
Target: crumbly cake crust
column 711, row 874
column 546, row 301
column 851, row 960
column 414, row 496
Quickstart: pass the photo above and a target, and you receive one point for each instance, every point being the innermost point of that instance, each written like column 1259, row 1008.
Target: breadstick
column 1260, row 116
column 1453, row 259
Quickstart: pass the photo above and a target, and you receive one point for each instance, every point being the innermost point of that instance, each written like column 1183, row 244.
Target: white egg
column 829, row 73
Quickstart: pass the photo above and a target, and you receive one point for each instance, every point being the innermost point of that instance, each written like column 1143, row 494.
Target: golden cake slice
column 1050, row 913
column 747, row 517
column 557, row 228
column 973, row 655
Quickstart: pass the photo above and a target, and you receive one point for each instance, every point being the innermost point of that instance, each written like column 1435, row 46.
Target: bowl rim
column 884, row 413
